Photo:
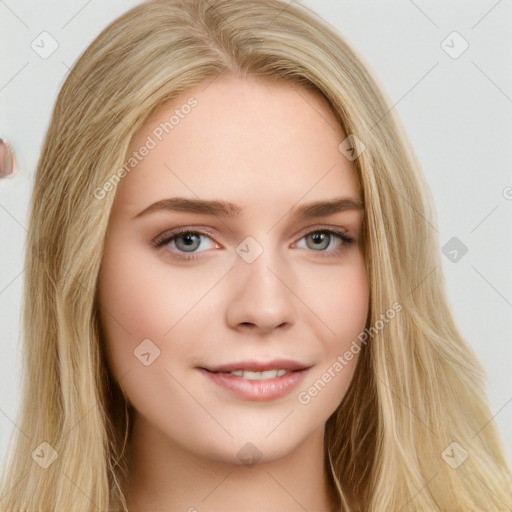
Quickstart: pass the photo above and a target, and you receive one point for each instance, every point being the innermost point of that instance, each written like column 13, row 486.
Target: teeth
column 267, row 374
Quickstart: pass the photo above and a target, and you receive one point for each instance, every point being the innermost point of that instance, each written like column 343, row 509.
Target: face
column 234, row 249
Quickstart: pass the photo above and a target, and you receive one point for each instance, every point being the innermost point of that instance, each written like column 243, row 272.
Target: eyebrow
column 227, row 209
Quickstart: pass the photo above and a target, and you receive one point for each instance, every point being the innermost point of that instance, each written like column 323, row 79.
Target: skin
column 270, row 147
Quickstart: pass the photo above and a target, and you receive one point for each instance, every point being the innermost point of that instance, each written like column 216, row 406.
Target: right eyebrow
column 182, row 204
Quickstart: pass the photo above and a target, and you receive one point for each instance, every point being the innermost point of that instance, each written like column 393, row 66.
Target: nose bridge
column 261, row 296
column 256, row 270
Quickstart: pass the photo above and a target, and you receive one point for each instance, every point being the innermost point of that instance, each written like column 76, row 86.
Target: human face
column 262, row 287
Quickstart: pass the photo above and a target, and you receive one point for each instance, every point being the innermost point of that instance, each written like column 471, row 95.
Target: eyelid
column 336, row 230
column 164, row 237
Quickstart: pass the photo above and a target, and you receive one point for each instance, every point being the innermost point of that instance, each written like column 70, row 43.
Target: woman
column 234, row 296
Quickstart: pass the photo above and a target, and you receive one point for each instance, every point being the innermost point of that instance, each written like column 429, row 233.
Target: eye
column 184, row 241
column 320, row 240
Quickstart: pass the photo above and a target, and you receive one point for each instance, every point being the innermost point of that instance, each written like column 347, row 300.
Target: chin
column 249, row 448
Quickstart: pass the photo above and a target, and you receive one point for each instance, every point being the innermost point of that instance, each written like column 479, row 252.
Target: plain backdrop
column 445, row 67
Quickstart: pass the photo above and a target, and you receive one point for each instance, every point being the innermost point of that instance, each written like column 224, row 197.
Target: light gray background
column 456, row 111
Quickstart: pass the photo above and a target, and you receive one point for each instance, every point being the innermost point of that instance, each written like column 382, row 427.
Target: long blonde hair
column 416, row 402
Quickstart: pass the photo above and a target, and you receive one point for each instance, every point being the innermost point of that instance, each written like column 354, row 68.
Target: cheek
column 131, row 308
column 133, row 296
column 142, row 298
column 140, row 302
column 346, row 304
column 339, row 296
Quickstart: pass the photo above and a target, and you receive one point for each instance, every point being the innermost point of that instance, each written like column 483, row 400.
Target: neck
column 164, row 476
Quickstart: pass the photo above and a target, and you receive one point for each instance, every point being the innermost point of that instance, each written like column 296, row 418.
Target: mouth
column 264, row 375
column 257, row 381
column 259, row 370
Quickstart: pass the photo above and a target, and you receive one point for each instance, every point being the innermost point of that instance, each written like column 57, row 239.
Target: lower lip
column 257, row 390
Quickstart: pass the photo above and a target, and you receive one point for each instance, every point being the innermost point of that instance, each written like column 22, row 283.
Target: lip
column 260, row 366
column 258, row 390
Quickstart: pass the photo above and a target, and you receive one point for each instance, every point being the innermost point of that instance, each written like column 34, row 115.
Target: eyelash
column 166, row 237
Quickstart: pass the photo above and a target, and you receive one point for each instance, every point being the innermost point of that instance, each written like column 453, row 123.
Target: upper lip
column 259, row 366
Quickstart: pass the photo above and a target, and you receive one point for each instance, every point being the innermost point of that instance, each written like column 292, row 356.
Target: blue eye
column 322, row 239
column 185, row 243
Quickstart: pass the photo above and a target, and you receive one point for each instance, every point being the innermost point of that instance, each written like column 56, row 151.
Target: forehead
column 241, row 139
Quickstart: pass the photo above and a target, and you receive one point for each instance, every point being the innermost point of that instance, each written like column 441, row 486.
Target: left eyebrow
column 324, row 208
column 227, row 209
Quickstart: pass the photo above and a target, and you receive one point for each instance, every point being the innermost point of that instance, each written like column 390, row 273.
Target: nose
column 263, row 298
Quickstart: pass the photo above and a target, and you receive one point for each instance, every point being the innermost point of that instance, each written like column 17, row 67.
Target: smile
column 257, row 381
